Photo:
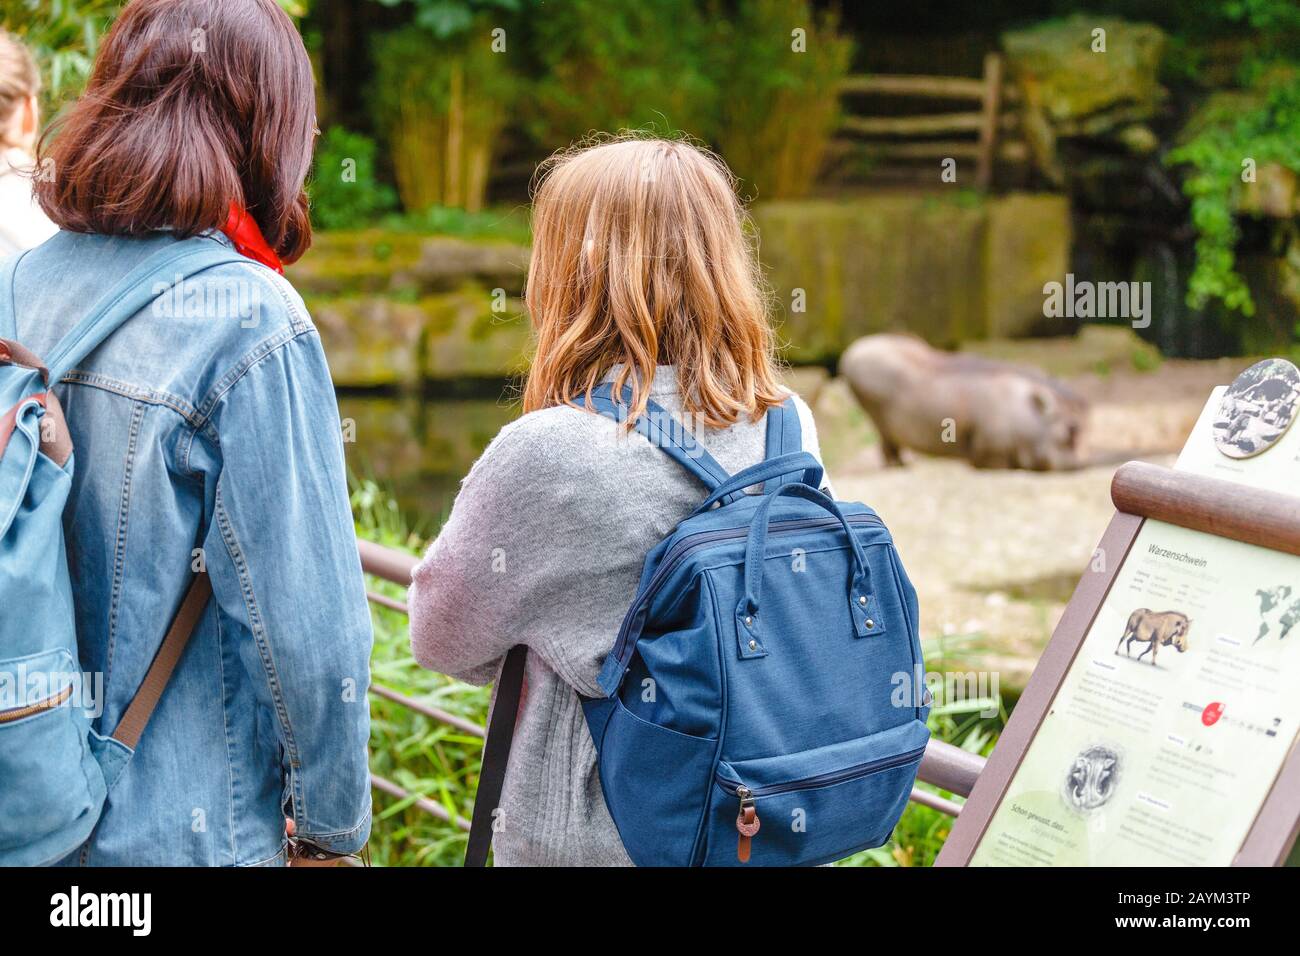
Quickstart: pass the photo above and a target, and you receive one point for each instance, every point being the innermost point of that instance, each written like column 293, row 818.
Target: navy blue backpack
column 764, row 700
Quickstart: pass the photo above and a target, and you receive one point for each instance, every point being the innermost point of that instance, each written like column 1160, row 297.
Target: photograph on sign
column 1258, row 408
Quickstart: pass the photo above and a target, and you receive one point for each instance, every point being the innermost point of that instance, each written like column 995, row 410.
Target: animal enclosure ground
column 995, row 554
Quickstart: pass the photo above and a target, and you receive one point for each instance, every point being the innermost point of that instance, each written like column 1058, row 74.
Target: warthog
column 1155, row 630
column 992, row 414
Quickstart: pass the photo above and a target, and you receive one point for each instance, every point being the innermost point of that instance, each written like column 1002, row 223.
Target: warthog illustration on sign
column 1156, row 630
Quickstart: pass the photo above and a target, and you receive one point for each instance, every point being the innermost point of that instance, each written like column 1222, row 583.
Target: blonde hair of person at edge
column 22, row 222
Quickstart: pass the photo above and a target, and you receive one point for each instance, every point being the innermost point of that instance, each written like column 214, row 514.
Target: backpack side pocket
column 53, row 789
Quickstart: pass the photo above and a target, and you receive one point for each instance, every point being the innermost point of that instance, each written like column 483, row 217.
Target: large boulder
column 1073, row 91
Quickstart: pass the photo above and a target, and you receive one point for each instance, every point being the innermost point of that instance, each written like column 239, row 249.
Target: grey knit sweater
column 544, row 547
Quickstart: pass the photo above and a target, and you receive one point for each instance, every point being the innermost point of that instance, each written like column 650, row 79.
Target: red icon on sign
column 1211, row 714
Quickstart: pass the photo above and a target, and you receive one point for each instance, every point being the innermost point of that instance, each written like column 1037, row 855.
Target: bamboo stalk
column 456, row 135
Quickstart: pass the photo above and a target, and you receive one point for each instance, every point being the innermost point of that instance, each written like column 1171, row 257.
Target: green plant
column 759, row 80
column 441, row 101
column 1262, row 131
column 425, row 757
column 610, row 65
column 447, row 18
column 779, row 68
column 346, row 191
column 63, row 35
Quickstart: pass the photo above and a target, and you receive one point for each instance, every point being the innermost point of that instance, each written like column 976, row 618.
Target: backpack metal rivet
column 753, row 645
column 863, row 601
column 870, row 623
column 748, row 621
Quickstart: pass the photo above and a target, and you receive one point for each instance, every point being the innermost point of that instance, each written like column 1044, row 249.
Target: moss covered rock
column 1028, row 245
column 375, row 340
column 383, row 261
column 395, row 309
column 1076, row 86
column 949, row 269
column 1086, row 78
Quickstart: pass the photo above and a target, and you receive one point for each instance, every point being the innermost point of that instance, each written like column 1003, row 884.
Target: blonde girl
column 642, row 274
column 22, row 224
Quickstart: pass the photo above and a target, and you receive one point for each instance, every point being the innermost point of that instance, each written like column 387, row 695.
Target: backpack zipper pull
column 747, row 823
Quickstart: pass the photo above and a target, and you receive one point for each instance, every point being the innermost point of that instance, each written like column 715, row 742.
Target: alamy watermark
column 211, row 298
column 1082, row 299
column 950, row 688
column 41, row 689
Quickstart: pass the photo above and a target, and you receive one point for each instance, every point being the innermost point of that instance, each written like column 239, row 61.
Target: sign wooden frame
column 1141, row 491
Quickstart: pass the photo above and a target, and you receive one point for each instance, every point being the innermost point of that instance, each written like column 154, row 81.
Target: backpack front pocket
column 43, row 759
column 816, row 806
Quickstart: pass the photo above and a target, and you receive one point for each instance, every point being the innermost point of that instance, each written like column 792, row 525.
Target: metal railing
column 945, row 766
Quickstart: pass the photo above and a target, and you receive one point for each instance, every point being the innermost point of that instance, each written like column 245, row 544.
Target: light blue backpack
column 764, row 701
column 55, row 769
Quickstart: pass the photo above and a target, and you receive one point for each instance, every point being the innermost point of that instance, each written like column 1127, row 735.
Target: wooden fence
column 909, row 145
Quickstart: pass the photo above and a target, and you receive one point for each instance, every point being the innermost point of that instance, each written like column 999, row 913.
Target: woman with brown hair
column 207, row 440
column 22, row 224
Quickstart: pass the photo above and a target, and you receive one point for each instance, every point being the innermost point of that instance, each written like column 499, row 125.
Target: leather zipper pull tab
column 747, row 823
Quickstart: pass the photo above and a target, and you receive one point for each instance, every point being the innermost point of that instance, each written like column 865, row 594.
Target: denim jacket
column 206, row 430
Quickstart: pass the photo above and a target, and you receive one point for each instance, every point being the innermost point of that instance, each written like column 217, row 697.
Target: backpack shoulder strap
column 663, row 431
column 496, row 754
column 139, row 287
column 784, row 437
column 141, row 708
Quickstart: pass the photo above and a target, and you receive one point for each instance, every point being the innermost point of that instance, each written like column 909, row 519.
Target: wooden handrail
column 1269, row 519
column 387, row 563
column 950, row 768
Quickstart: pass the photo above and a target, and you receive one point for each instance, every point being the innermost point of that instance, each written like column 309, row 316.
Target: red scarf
column 243, row 231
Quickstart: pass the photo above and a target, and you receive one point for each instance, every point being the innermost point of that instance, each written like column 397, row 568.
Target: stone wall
column 947, row 269
column 395, row 309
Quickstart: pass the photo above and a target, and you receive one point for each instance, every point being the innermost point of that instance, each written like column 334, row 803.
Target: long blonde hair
column 640, row 257
column 19, row 79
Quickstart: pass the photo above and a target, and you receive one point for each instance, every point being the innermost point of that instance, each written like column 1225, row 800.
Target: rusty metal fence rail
column 945, row 766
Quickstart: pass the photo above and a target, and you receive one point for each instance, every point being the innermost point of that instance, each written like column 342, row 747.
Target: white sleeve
column 808, row 426
column 23, row 224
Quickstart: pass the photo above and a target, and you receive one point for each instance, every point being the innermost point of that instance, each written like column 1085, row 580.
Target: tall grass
column 425, row 757
column 441, row 763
